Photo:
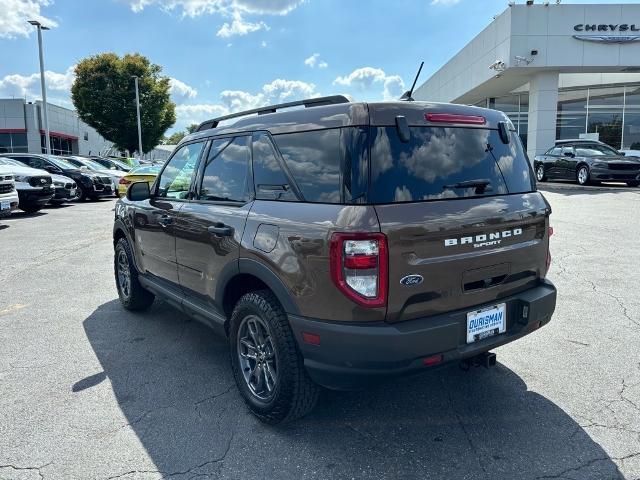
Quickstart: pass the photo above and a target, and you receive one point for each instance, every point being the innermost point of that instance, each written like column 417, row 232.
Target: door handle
column 165, row 221
column 221, row 230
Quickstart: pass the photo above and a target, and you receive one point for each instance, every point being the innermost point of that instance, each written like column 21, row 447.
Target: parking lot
column 89, row 390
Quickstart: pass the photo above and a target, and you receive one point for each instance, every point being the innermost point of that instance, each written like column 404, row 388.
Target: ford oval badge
column 411, row 280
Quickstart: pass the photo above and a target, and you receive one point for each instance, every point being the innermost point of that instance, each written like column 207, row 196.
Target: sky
column 229, row 55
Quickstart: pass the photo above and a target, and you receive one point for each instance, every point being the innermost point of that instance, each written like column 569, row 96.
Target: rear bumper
column 353, row 356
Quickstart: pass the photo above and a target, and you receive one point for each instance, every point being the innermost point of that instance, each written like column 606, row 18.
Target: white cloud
column 277, row 91
column 364, row 79
column 231, row 9
column 311, row 61
column 239, row 27
column 15, row 13
column 444, row 2
column 28, row 86
column 180, row 91
column 314, row 60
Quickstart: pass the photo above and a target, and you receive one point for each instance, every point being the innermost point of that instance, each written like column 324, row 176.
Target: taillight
column 359, row 267
column 454, row 118
column 123, row 181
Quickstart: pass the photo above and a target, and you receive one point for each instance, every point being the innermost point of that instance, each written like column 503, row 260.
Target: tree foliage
column 104, row 96
column 175, row 137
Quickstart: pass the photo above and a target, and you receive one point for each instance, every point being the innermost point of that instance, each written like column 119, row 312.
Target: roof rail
column 309, row 102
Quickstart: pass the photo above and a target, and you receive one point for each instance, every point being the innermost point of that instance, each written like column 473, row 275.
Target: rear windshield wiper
column 480, row 185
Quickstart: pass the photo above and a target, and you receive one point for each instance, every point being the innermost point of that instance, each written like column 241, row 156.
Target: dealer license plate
column 486, row 322
column 5, row 205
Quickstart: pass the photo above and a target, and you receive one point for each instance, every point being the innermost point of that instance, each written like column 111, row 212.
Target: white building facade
column 22, row 130
column 558, row 71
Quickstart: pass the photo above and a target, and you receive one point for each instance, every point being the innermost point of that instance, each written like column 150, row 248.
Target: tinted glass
column 594, row 150
column 313, row 158
column 226, row 172
column 178, row 173
column 555, row 151
column 270, row 181
column 437, row 160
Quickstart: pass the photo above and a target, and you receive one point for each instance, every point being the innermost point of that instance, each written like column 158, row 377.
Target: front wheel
column 267, row 365
column 132, row 295
column 582, row 175
column 540, row 175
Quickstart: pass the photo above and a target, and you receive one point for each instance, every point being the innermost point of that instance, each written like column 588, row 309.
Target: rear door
column 568, row 162
column 463, row 224
column 209, row 228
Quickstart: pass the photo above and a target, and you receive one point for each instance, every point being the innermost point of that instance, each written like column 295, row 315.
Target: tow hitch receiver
column 485, row 359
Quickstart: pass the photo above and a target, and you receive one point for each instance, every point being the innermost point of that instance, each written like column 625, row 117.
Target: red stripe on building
column 60, row 135
column 13, row 130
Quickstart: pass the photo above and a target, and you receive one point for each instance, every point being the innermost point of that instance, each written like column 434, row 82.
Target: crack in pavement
column 38, row 469
column 165, row 474
column 588, row 464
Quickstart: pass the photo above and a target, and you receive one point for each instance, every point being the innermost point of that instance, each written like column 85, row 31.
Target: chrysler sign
column 608, row 27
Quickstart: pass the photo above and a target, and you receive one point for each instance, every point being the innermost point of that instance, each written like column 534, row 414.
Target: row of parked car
column 30, row 181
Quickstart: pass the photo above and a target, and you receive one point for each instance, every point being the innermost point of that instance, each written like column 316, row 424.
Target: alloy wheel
column 540, row 173
column 257, row 357
column 583, row 175
column 124, row 273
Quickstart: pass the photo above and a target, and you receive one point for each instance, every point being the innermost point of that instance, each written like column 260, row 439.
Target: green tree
column 175, row 137
column 105, row 98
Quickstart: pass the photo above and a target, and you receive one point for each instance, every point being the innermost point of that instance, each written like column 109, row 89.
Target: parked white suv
column 8, row 194
column 35, row 187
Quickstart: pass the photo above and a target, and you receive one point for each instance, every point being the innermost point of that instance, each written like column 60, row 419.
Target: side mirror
column 138, row 191
column 622, row 153
column 569, row 154
column 52, row 169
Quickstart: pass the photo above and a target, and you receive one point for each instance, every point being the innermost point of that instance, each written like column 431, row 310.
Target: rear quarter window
column 436, row 159
column 314, row 160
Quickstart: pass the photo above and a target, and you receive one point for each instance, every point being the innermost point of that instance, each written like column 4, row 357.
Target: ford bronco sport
column 342, row 243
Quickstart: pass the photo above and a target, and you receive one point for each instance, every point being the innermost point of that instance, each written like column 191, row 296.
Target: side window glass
column 314, row 160
column 175, row 180
column 225, row 176
column 555, row 151
column 567, row 150
column 270, row 181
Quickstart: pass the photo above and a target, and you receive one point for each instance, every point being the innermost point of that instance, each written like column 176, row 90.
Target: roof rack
column 309, row 102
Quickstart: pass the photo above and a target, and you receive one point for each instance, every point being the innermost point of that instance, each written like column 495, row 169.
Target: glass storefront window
column 605, row 114
column 59, row 145
column 13, row 142
column 631, row 131
column 572, row 113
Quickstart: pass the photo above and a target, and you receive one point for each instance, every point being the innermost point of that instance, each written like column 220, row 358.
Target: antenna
column 406, row 96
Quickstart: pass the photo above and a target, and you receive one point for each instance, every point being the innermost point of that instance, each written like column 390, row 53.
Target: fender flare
column 119, row 225
column 264, row 274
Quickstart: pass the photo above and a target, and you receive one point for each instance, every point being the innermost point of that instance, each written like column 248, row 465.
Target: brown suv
column 342, row 243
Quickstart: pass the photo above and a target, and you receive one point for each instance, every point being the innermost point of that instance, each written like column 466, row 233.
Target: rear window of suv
column 436, row 161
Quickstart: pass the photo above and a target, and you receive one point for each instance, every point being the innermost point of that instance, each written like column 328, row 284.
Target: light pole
column 41, row 27
column 138, row 115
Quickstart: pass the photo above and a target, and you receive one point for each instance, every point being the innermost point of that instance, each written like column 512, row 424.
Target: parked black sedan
column 587, row 161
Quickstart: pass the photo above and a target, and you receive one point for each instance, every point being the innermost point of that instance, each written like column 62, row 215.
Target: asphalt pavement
column 88, row 390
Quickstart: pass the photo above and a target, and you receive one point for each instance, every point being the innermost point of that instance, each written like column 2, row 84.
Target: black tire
column 31, row 208
column 136, row 298
column 580, row 178
column 633, row 184
column 82, row 194
column 540, row 174
column 294, row 393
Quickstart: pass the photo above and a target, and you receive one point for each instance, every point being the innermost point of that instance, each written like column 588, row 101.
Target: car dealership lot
column 88, row 390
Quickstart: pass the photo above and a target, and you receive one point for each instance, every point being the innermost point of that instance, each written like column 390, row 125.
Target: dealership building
column 22, row 130
column 558, row 71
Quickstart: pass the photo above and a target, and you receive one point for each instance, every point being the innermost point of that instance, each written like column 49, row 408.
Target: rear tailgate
column 455, row 197
column 468, row 252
